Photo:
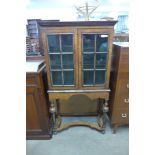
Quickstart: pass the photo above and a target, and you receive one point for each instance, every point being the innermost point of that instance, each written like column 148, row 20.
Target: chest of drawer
column 122, row 101
column 120, row 116
column 119, row 84
column 123, row 86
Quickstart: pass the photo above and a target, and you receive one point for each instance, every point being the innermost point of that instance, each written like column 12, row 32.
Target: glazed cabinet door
column 94, row 58
column 61, row 57
column 78, row 58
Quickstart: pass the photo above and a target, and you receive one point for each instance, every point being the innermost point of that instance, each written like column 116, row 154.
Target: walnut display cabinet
column 119, row 85
column 78, row 58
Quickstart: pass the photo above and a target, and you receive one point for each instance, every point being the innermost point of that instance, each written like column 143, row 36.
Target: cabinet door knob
column 124, row 115
column 127, row 86
column 126, row 100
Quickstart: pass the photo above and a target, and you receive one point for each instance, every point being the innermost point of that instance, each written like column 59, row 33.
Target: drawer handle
column 126, row 100
column 127, row 86
column 124, row 115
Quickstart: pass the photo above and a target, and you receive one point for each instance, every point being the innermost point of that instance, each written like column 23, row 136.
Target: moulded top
column 49, row 23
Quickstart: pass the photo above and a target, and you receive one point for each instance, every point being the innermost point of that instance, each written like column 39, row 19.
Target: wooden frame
column 90, row 31
column 45, row 46
column 77, row 40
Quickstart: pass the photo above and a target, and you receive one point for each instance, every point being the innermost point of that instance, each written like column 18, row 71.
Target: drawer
column 123, row 86
column 122, row 101
column 120, row 116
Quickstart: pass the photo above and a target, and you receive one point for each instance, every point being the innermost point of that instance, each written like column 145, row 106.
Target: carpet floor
column 82, row 141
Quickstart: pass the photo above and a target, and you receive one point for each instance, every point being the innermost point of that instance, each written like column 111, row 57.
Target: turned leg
column 105, row 109
column 58, row 117
column 100, row 119
column 52, row 110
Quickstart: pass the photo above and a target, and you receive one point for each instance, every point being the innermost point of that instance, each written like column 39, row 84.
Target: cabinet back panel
column 78, row 104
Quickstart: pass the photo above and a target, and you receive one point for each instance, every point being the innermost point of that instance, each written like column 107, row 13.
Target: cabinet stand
column 57, row 121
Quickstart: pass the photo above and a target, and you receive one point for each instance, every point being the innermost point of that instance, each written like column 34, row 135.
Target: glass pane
column 68, row 77
column 88, row 61
column 55, row 61
column 67, row 42
column 53, row 43
column 101, row 60
column 100, row 77
column 67, row 61
column 88, row 43
column 88, row 77
column 57, row 77
column 101, row 43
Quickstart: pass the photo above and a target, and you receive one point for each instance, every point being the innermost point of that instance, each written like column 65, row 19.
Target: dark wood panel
column 37, row 115
column 32, row 118
column 78, row 105
column 46, row 136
